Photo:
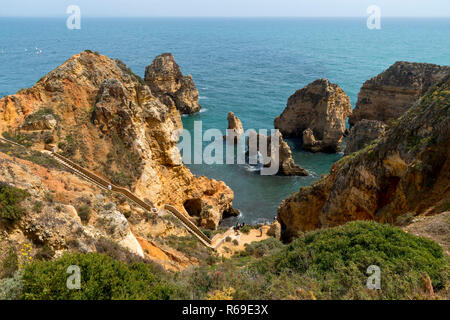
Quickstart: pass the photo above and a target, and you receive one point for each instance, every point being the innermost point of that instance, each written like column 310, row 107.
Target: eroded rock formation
column 110, row 122
column 363, row 133
column 167, row 82
column 322, row 107
column 287, row 166
column 63, row 212
column 388, row 95
column 235, row 127
column 406, row 171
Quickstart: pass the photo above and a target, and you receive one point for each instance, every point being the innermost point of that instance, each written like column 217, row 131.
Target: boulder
column 167, row 82
column 43, row 122
column 321, row 107
column 388, row 95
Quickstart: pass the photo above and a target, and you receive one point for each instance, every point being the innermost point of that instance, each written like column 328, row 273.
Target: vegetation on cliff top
column 326, row 264
column 10, row 198
column 103, row 278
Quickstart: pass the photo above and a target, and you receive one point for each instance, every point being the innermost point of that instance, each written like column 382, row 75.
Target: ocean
column 248, row 66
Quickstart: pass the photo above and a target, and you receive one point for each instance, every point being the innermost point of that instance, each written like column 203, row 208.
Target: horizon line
column 219, row 17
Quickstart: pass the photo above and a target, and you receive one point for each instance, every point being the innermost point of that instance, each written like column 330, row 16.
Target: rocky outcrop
column 234, row 127
column 53, row 222
column 322, row 107
column 363, row 133
column 287, row 166
column 388, row 95
column 407, row 171
column 167, row 82
column 275, row 230
column 110, row 122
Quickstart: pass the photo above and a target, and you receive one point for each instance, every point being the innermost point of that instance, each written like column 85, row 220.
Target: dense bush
column 9, row 264
column 101, row 278
column 262, row 248
column 330, row 264
column 84, row 212
column 11, row 288
column 10, row 198
column 37, row 206
column 338, row 258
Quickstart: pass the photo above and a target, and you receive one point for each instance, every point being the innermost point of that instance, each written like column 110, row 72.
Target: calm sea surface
column 248, row 66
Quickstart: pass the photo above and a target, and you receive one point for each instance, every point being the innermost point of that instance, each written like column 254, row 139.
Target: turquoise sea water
column 248, row 66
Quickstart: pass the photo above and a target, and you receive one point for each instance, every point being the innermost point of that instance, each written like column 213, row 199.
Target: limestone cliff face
column 109, row 121
column 167, row 82
column 363, row 133
column 406, row 171
column 388, row 95
column 52, row 220
column 322, row 107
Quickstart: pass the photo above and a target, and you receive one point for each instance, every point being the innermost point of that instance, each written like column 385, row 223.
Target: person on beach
column 261, row 231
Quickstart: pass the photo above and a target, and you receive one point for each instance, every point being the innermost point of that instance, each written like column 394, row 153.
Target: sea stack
column 235, row 127
column 287, row 166
column 166, row 81
column 321, row 109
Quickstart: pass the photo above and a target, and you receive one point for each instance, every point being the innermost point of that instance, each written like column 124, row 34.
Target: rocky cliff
column 103, row 116
column 61, row 212
column 405, row 172
column 167, row 82
column 363, row 133
column 388, row 95
column 321, row 108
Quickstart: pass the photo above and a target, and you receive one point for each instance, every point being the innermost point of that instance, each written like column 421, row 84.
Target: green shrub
column 235, row 242
column 446, row 206
column 330, row 264
column 246, row 229
column 9, row 264
column 37, row 207
column 44, row 253
column 18, row 138
column 10, row 198
column 69, row 146
column 11, row 288
column 102, row 278
column 339, row 257
column 84, row 212
column 262, row 248
column 207, row 233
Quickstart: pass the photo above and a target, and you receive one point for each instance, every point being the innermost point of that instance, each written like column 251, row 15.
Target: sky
column 225, row 8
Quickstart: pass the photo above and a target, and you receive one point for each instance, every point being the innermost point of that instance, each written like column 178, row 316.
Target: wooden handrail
column 131, row 196
column 125, row 192
column 187, row 221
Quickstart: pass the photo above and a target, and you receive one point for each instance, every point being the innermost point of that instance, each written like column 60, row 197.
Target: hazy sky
column 227, row 8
